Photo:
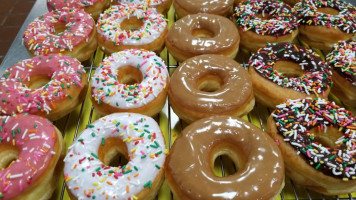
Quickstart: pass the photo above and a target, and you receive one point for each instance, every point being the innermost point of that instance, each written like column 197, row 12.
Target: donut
column 68, row 31
column 93, row 7
column 288, row 71
column 87, row 170
column 187, row 7
column 317, row 140
column 265, row 21
column 162, row 6
column 130, row 81
column 209, row 85
column 50, row 86
column 202, row 33
column 342, row 60
column 325, row 22
column 259, row 163
column 31, row 153
column 131, row 26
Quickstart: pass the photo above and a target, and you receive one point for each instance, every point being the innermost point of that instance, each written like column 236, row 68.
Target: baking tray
column 72, row 124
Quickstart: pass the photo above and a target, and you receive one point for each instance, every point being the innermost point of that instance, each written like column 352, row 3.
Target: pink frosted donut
column 30, row 148
column 93, row 7
column 50, row 86
column 68, row 31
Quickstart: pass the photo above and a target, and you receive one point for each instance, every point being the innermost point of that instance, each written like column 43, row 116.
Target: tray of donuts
column 88, row 113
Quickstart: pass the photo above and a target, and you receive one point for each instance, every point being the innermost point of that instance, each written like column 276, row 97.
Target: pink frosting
column 40, row 38
column 55, row 4
column 34, row 137
column 16, row 97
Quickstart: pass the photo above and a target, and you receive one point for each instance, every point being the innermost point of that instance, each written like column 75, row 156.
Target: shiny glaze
column 235, row 91
column 260, row 177
column 205, row 6
column 34, row 137
column 225, row 34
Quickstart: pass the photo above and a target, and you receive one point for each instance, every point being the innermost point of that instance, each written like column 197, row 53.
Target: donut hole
column 328, row 10
column 59, row 29
column 326, row 138
column 131, row 24
column 129, row 75
column 288, row 69
column 210, row 83
column 38, row 81
column 8, row 155
column 202, row 33
column 264, row 16
column 113, row 152
column 227, row 161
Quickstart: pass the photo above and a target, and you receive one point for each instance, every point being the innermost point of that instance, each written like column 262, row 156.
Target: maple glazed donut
column 50, row 86
column 265, row 21
column 130, row 81
column 317, row 140
column 68, row 31
column 187, row 7
column 162, row 6
column 209, row 85
column 325, row 22
column 259, row 163
column 199, row 34
column 93, row 7
column 342, row 60
column 287, row 71
column 87, row 172
column 31, row 153
column 131, row 26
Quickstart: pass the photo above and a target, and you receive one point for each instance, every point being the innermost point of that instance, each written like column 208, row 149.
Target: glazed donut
column 162, row 6
column 187, row 7
column 131, row 26
column 209, row 85
column 265, row 21
column 68, row 31
column 50, row 86
column 93, row 7
column 317, row 140
column 259, row 163
column 287, row 71
column 135, row 136
column 323, row 23
column 31, row 154
column 342, row 60
column 130, row 81
column 199, row 34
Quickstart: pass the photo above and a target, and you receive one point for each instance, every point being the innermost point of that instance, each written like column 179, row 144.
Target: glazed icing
column 55, row 4
column 205, row 6
column 88, row 178
column 142, row 2
column 64, row 71
column 317, row 77
column 283, row 19
column 343, row 60
column 40, row 37
column 225, row 34
column 345, row 20
column 108, row 26
column 34, row 137
column 107, row 89
column 235, row 91
column 260, row 176
column 295, row 119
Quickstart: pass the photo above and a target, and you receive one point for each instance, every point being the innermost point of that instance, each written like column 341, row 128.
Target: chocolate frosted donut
column 202, row 34
column 287, row 71
column 209, row 85
column 186, row 7
column 259, row 163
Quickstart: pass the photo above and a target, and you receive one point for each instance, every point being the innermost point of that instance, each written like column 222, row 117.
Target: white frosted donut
column 161, row 5
column 129, row 26
column 130, row 81
column 87, row 176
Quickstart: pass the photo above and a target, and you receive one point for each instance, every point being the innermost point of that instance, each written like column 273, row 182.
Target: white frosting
column 107, row 89
column 146, row 157
column 109, row 23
